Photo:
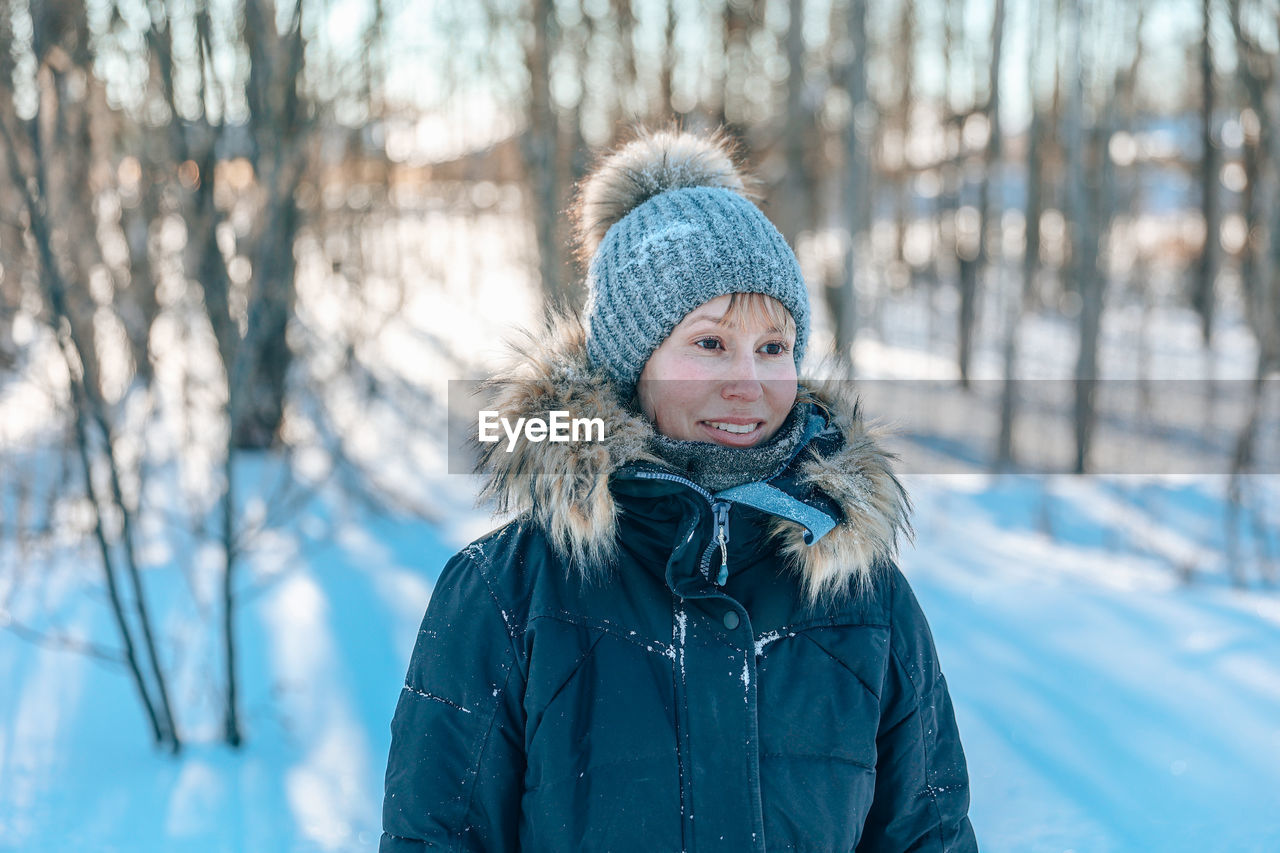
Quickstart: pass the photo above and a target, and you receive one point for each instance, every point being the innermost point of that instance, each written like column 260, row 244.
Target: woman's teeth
column 737, row 429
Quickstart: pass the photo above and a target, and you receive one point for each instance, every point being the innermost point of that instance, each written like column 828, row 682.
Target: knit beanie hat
column 665, row 226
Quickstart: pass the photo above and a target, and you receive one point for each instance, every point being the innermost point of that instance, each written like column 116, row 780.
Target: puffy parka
column 635, row 664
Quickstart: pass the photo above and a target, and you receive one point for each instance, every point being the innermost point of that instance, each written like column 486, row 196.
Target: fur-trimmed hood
column 566, row 485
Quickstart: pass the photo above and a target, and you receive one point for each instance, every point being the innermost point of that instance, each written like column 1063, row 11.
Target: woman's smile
column 735, row 432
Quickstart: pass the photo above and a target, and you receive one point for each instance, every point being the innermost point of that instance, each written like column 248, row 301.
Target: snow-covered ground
column 325, row 631
column 1104, row 705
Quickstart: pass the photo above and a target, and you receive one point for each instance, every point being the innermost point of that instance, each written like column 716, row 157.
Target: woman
column 693, row 636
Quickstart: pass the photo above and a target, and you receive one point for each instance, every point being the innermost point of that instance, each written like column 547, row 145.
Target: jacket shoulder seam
column 480, row 559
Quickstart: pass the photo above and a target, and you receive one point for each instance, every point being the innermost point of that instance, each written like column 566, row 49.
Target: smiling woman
column 693, row 635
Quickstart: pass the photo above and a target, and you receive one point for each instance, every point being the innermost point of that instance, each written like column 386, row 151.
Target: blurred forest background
column 237, row 228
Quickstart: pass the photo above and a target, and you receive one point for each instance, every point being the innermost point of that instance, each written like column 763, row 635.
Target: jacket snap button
column 731, row 619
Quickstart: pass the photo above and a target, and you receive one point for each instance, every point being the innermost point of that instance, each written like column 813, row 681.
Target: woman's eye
column 774, row 348
column 708, row 343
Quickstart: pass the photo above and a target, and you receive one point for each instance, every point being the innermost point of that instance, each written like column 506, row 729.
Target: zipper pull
column 721, row 509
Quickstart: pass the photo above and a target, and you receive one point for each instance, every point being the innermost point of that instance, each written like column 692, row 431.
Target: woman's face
column 718, row 382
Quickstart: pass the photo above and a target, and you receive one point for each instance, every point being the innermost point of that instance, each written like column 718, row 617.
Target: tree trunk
column 1019, row 302
column 1084, row 273
column 794, row 131
column 231, row 714
column 971, row 268
column 843, row 299
column 1207, row 264
column 538, row 146
column 906, row 75
column 258, row 420
column 665, row 108
column 625, row 23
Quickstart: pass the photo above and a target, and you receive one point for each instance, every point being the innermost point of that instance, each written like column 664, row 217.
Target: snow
column 679, row 633
column 769, row 637
column 325, row 632
column 1103, row 705
column 442, row 700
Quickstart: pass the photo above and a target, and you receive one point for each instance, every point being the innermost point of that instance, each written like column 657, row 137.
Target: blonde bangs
column 748, row 309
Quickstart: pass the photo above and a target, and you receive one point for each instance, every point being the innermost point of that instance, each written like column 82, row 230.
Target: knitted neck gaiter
column 716, row 467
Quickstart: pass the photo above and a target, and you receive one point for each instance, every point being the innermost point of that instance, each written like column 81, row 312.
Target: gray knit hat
column 666, row 228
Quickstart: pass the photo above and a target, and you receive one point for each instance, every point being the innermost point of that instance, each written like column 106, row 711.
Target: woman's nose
column 742, row 381
column 746, row 390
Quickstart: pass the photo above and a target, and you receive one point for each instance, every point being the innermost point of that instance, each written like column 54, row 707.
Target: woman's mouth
column 738, row 434
column 737, row 429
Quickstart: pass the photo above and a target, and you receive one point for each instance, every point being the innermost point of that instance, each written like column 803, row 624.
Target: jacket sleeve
column 457, row 746
column 922, row 782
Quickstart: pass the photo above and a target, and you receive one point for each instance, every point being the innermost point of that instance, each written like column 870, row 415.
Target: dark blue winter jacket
column 587, row 677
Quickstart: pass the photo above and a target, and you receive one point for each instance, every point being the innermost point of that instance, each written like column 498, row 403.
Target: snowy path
column 324, row 650
column 1103, row 707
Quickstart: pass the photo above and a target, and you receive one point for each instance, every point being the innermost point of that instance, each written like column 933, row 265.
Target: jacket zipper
column 721, row 510
column 719, row 536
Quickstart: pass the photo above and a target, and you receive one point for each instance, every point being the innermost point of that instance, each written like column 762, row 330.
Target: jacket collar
column 566, row 486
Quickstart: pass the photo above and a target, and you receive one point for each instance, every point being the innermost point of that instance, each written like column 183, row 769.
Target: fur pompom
column 652, row 163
